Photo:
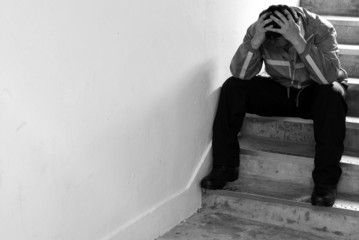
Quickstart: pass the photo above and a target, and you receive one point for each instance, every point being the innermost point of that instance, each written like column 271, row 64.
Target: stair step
column 349, row 59
column 295, row 129
column 349, row 49
column 291, row 162
column 258, row 208
column 329, row 223
column 213, row 224
column 332, row 7
column 347, row 28
column 286, row 190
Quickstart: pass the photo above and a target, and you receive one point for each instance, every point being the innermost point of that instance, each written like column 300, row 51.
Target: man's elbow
column 328, row 78
column 234, row 70
column 333, row 75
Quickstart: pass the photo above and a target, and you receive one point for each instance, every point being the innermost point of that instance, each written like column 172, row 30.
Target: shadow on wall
column 194, row 103
column 178, row 126
column 162, row 158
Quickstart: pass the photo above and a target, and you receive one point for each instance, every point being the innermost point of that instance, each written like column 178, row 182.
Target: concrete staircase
column 271, row 199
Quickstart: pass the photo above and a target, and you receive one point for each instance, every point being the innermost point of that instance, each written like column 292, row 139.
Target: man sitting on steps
column 300, row 53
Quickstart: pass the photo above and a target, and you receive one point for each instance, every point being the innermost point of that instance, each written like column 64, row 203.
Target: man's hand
column 289, row 29
column 261, row 30
column 339, row 88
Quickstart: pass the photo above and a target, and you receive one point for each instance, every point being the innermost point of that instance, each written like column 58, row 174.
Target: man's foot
column 219, row 176
column 324, row 196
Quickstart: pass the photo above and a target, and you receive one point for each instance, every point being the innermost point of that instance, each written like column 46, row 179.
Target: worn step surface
column 237, row 215
column 337, row 223
column 332, row 7
column 347, row 29
column 258, row 208
column 258, row 185
column 295, row 130
column 213, row 224
column 291, row 162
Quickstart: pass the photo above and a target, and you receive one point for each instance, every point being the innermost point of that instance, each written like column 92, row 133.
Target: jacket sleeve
column 321, row 56
column 246, row 62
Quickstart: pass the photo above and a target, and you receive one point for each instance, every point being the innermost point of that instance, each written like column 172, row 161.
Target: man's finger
column 281, row 16
column 294, row 13
column 265, row 22
column 289, row 16
column 263, row 16
column 271, row 29
column 277, row 20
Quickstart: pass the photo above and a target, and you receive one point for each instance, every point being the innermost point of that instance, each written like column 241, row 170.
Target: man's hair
column 281, row 9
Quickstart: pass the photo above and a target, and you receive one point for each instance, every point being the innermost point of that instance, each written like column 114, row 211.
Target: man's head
column 271, row 11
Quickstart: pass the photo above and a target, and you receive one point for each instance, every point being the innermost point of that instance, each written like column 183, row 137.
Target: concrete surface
column 214, row 225
column 299, row 130
column 332, row 7
column 291, row 162
column 347, row 29
column 257, row 185
column 326, row 222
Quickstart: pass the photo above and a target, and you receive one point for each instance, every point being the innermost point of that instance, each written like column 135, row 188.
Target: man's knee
column 234, row 83
column 328, row 93
column 230, row 82
column 329, row 96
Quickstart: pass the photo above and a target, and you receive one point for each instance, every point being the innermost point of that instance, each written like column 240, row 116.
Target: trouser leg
column 328, row 111
column 260, row 96
column 227, row 123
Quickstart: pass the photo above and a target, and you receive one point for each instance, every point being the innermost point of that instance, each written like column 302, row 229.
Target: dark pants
column 262, row 96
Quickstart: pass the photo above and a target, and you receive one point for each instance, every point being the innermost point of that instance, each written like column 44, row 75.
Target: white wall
column 106, row 110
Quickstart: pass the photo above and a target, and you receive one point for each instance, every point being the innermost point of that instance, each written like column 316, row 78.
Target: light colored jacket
column 319, row 62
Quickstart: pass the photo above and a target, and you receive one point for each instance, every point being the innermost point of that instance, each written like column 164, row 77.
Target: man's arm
column 321, row 60
column 247, row 61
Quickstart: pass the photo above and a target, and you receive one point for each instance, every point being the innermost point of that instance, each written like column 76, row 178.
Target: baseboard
column 170, row 211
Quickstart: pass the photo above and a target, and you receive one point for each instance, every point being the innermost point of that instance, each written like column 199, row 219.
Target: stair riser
column 298, row 217
column 295, row 169
column 276, row 167
column 346, row 34
column 351, row 64
column 293, row 131
column 332, row 7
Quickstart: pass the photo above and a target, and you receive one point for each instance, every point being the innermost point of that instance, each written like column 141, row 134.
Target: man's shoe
column 218, row 177
column 324, row 196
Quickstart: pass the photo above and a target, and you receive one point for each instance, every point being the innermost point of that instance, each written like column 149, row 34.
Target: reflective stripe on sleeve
column 245, row 65
column 316, row 69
